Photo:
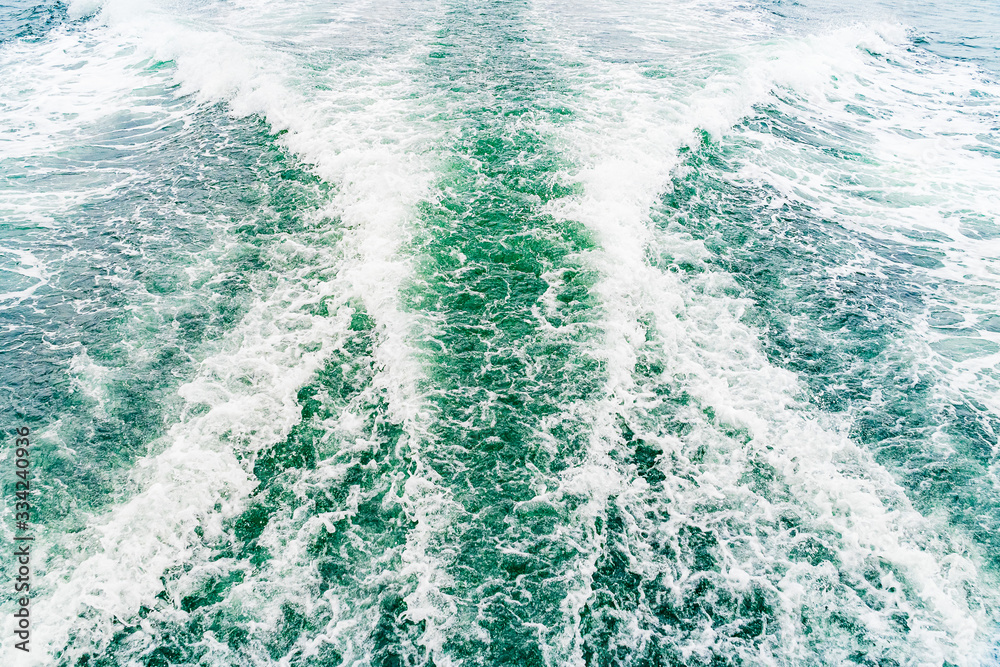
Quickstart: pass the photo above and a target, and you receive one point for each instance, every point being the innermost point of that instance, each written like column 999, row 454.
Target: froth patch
column 627, row 150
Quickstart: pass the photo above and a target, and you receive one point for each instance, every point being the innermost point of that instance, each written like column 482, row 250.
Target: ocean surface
column 504, row 333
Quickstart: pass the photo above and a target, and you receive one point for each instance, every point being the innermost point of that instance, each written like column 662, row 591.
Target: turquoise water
column 504, row 332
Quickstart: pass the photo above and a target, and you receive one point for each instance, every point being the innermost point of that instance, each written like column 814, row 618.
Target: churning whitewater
column 508, row 333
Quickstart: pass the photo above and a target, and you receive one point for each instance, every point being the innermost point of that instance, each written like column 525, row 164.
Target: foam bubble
column 627, row 147
column 244, row 396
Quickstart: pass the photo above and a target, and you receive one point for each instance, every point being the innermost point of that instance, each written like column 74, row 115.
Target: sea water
column 503, row 332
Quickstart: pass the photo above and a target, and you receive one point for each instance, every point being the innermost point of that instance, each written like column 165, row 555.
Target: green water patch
column 502, row 378
column 31, row 21
column 842, row 332
column 509, row 309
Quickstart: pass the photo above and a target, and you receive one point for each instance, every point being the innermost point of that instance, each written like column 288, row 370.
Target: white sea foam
column 627, row 143
column 32, row 274
column 246, row 393
column 925, row 181
column 363, row 130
